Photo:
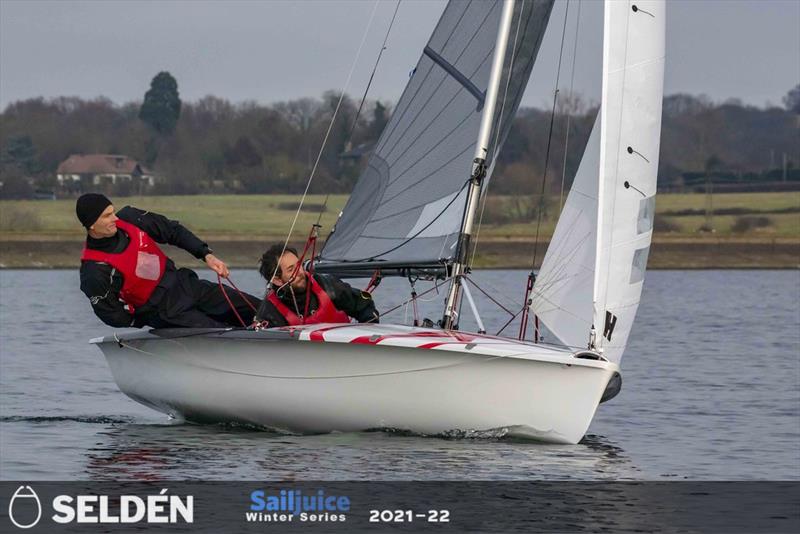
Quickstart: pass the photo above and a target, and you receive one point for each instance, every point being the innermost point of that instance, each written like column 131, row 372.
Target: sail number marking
column 611, row 322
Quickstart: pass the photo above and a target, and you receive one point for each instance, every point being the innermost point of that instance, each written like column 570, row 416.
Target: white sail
column 624, row 194
column 630, row 135
column 563, row 293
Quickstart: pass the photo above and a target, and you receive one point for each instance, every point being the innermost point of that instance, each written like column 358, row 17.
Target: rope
column 479, row 288
column 387, row 312
column 228, row 299
column 374, row 281
column 523, row 325
column 364, row 97
column 569, row 115
column 324, row 142
column 497, row 129
column 509, row 321
column 374, row 70
column 549, row 141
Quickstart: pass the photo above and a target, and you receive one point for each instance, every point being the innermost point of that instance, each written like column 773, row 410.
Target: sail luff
column 590, row 282
column 604, row 117
column 461, row 264
column 633, row 72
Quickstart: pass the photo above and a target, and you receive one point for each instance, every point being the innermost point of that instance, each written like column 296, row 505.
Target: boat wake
column 96, row 419
column 508, row 434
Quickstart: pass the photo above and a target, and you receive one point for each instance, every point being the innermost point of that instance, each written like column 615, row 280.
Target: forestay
column 562, row 294
column 612, row 254
column 406, row 209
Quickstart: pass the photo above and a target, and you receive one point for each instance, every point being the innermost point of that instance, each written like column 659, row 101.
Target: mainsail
column 407, row 206
column 592, row 274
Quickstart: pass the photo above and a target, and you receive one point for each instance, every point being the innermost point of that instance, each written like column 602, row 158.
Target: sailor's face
column 288, row 264
column 106, row 224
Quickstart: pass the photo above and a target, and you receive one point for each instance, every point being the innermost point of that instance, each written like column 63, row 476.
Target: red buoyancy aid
column 142, row 264
column 326, row 312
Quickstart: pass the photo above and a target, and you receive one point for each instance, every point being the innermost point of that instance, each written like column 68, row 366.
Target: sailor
column 329, row 299
column 131, row 282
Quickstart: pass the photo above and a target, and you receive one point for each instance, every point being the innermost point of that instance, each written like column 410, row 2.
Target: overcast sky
column 270, row 51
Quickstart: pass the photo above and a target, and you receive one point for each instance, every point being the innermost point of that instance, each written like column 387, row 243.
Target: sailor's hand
column 217, row 265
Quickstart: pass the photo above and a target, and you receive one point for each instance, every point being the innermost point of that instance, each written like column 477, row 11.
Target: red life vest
column 142, row 265
column 326, row 312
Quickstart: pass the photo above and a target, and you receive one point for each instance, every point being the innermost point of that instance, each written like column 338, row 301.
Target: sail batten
column 612, row 200
column 406, row 208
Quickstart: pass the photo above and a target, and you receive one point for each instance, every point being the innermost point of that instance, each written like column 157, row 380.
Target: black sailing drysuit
column 180, row 299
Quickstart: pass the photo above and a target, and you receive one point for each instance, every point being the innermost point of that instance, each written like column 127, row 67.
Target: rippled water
column 711, row 390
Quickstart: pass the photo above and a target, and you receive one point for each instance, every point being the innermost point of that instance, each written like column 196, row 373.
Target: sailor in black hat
column 131, row 282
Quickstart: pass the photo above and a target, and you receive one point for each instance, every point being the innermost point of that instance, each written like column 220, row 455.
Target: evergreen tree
column 21, row 153
column 162, row 104
column 792, row 99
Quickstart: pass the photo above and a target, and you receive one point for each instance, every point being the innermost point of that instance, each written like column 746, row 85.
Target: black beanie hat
column 89, row 207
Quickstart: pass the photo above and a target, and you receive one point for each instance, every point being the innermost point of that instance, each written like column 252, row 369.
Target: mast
column 479, row 167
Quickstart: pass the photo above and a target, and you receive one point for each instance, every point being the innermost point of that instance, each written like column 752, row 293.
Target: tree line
column 215, row 146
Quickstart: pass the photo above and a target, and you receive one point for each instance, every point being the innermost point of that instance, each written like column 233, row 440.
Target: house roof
column 100, row 164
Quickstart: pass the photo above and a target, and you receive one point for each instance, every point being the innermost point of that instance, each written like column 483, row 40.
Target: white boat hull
column 344, row 378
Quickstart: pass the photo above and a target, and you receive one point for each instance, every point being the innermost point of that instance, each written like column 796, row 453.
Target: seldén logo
column 25, row 508
column 288, row 505
column 21, row 508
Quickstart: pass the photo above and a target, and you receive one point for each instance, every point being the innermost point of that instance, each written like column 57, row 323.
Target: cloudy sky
column 270, row 51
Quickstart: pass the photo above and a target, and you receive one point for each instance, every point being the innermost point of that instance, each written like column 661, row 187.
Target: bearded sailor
column 132, row 283
column 303, row 298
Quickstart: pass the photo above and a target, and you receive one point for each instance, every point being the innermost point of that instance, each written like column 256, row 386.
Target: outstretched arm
column 171, row 232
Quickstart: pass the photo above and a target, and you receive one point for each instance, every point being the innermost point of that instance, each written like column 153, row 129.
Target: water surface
column 711, row 390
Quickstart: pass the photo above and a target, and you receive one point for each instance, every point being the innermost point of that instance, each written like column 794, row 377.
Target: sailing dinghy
column 412, row 214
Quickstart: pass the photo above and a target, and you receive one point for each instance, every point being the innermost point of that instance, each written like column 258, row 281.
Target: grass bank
column 750, row 230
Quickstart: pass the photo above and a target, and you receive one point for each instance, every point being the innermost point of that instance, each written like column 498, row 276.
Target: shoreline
column 63, row 252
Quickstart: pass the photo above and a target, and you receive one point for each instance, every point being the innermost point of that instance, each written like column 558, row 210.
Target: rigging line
column 566, row 311
column 569, row 115
column 370, row 258
column 561, row 273
column 417, row 137
column 510, row 321
column 324, row 141
column 421, row 157
column 384, row 142
column 485, row 196
column 549, row 141
column 374, row 70
column 437, row 287
column 391, row 127
column 385, row 201
column 493, row 288
column 556, row 251
column 497, row 131
column 419, row 295
column 479, row 288
column 435, row 92
column 364, row 96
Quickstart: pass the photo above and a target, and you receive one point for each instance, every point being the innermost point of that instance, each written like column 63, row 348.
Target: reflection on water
column 185, row 451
